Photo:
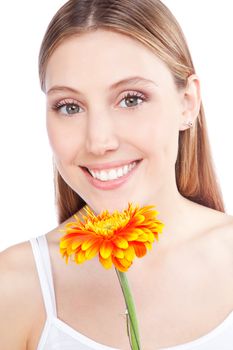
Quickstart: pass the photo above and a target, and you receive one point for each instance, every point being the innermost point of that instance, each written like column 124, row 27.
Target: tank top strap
column 42, row 259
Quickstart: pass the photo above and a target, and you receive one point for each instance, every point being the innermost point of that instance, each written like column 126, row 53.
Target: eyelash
column 58, row 105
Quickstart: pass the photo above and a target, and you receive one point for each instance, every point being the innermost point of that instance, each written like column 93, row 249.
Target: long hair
column 151, row 23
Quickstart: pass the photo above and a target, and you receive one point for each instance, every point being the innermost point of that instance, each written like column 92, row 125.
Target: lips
column 111, row 165
column 110, row 184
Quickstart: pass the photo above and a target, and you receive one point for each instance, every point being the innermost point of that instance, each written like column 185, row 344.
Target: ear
column 191, row 101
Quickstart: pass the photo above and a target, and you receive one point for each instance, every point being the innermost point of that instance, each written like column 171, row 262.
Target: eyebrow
column 129, row 80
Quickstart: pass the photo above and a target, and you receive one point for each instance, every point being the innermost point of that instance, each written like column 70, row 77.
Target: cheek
column 152, row 132
column 158, row 136
column 64, row 141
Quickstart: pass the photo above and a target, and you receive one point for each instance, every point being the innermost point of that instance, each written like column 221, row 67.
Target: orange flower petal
column 139, row 219
column 148, row 245
column 134, row 231
column 88, row 243
column 118, row 253
column 80, row 257
column 92, row 251
column 124, row 262
column 129, row 253
column 121, row 242
column 130, row 236
column 143, row 238
column 151, row 237
column 118, row 265
column 69, row 250
column 139, row 248
column 106, row 249
column 65, row 243
column 75, row 245
column 117, row 238
column 107, row 263
column 77, row 242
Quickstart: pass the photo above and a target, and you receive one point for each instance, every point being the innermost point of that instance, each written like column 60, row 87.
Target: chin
column 114, row 204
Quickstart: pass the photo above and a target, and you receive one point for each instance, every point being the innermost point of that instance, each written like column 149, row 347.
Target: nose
column 101, row 134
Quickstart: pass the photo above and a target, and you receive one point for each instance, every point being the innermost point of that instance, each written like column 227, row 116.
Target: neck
column 179, row 215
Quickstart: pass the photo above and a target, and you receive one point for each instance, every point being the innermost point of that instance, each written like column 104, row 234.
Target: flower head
column 117, row 238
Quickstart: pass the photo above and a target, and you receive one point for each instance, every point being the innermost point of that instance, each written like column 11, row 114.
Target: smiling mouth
column 114, row 173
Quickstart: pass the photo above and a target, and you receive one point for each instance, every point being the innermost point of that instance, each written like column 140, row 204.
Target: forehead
column 103, row 56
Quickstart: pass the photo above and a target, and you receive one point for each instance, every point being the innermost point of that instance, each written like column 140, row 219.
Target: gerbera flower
column 116, row 238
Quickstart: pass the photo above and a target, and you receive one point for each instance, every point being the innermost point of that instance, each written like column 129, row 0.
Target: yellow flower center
column 109, row 225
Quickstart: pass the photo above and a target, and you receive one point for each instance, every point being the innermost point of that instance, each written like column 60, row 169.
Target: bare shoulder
column 224, row 234
column 221, row 242
column 17, row 281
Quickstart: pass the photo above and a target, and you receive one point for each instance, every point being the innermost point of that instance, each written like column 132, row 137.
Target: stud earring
column 190, row 124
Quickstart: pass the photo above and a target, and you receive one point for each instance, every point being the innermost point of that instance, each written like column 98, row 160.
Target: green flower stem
column 133, row 323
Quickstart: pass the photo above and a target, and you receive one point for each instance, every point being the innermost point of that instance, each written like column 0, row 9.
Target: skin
column 187, row 279
column 101, row 130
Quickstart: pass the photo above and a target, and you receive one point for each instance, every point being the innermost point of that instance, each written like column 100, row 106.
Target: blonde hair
column 152, row 23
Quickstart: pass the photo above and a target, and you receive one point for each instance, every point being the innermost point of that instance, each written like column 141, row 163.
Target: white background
column 27, row 196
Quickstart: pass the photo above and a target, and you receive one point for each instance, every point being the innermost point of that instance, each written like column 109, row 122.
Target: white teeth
column 92, row 173
column 125, row 169
column 119, row 172
column 103, row 175
column 112, row 174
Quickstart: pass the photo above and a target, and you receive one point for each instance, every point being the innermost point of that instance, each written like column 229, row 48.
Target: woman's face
column 111, row 103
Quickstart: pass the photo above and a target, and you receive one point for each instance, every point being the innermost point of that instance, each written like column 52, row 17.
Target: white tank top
column 57, row 335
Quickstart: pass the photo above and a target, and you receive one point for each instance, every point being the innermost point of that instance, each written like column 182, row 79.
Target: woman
column 126, row 124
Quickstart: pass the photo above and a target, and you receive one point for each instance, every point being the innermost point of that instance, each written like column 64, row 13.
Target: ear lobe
column 191, row 101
